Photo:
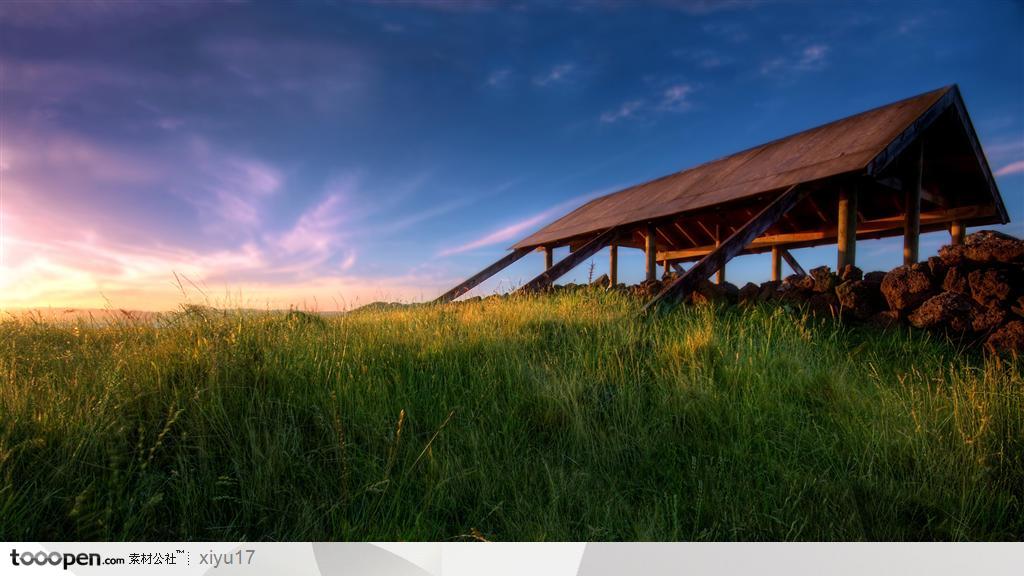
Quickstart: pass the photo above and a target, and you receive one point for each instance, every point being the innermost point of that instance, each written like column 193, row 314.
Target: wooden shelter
column 908, row 167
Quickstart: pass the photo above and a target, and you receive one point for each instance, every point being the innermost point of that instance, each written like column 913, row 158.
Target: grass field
column 560, row 418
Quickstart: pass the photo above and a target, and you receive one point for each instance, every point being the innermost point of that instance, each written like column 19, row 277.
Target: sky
column 327, row 155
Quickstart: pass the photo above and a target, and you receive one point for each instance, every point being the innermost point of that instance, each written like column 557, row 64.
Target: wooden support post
column 912, row 204
column 666, row 269
column 651, row 253
column 482, row 275
column 776, row 264
column 956, row 232
column 613, row 265
column 566, row 264
column 549, row 257
column 720, row 278
column 733, row 245
column 793, row 264
column 847, row 232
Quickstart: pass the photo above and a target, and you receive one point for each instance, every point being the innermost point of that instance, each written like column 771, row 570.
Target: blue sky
column 327, row 155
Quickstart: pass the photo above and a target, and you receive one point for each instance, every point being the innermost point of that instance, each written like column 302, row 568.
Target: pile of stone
column 973, row 290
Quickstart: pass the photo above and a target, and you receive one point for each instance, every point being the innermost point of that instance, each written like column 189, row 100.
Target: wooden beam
column 956, row 232
column 678, row 268
column 776, row 263
column 650, row 250
column 893, row 225
column 933, row 197
column 912, row 204
column 684, row 233
column 482, row 275
column 847, row 229
column 793, row 264
column 733, row 245
column 720, row 278
column 546, row 278
column 911, row 134
column 613, row 264
column 549, row 257
column 979, row 156
column 817, row 209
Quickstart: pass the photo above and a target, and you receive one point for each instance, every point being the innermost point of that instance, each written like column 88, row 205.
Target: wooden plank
column 793, row 264
column 912, row 205
column 613, row 264
column 847, row 229
column 684, row 233
column 482, row 275
column 865, row 230
column 776, row 263
column 756, row 226
column 549, row 257
column 956, row 232
column 650, row 251
column 546, row 278
column 720, row 278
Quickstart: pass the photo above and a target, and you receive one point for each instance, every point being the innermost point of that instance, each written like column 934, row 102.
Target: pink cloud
column 518, row 229
column 1011, row 168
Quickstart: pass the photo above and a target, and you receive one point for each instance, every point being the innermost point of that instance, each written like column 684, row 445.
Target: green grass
column 561, row 418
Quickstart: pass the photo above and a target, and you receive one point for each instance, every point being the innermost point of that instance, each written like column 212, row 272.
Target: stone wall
column 975, row 290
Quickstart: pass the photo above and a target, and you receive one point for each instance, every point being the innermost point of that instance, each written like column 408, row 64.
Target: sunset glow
column 330, row 156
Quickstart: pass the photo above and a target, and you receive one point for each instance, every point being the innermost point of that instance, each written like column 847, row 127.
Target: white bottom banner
column 501, row 559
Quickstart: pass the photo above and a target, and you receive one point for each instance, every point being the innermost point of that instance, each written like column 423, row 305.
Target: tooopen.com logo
column 60, row 558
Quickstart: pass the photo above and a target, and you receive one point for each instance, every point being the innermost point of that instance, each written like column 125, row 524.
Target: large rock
column 857, row 299
column 956, row 281
column 875, row 277
column 907, row 286
column 647, row 288
column 986, row 318
column 989, row 287
column 799, row 282
column 601, row 281
column 851, row 272
column 884, row 319
column 938, row 311
column 748, row 294
column 1018, row 307
column 708, row 292
column 984, row 247
column 936, row 268
column 824, row 279
column 989, row 246
column 769, row 291
column 1007, row 340
column 824, row 304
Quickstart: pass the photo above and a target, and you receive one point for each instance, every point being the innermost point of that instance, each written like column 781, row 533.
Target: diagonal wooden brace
column 796, row 267
column 733, row 245
column 566, row 264
column 482, row 275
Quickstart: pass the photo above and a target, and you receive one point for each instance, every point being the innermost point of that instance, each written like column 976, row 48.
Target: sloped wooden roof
column 865, row 142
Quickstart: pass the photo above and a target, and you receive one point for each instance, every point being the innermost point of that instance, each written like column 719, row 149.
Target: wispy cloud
column 559, row 73
column 811, row 58
column 1011, row 168
column 515, row 230
column 625, row 110
column 705, row 58
column 498, row 77
column 674, row 98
